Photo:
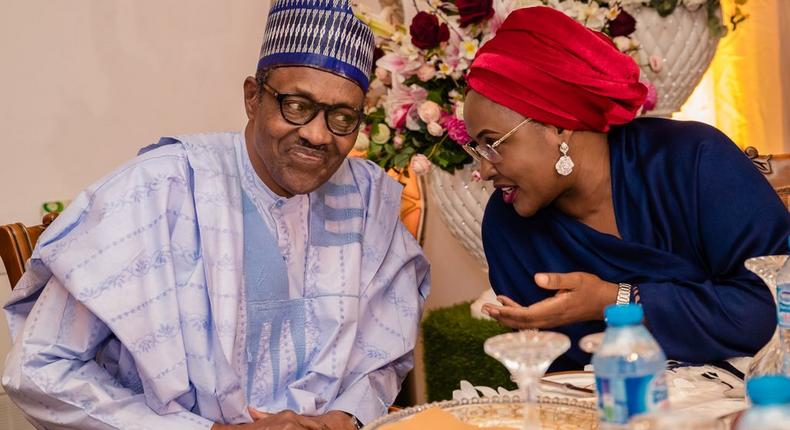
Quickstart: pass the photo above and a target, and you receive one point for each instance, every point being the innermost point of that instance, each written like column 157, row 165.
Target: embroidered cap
column 323, row 34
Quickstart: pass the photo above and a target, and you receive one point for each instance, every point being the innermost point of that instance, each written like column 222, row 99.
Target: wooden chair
column 17, row 243
column 776, row 168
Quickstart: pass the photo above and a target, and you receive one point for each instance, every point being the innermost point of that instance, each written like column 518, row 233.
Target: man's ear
column 252, row 96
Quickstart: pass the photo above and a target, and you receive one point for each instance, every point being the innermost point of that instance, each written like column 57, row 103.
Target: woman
column 594, row 207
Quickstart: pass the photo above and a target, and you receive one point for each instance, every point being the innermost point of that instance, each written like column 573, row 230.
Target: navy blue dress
column 690, row 208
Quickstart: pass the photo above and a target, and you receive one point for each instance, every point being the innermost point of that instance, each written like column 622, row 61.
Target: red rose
column 426, row 32
column 473, row 11
column 623, row 25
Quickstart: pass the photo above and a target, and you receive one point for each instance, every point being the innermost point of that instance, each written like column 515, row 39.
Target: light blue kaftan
column 179, row 290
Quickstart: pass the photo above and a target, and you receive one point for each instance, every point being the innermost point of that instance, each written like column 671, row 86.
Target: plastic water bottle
column 630, row 368
column 770, row 396
column 783, row 313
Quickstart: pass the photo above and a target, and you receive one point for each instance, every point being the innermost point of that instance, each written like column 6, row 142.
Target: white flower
column 623, row 43
column 528, row 3
column 426, row 72
column 362, row 143
column 656, row 63
column 568, row 7
column 459, row 110
column 429, row 111
column 381, row 134
column 693, row 5
column 434, row 129
column 445, row 69
column 469, row 48
column 591, row 15
column 420, row 164
column 612, row 13
column 631, row 2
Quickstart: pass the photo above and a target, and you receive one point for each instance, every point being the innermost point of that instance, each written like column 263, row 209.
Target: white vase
column 686, row 47
column 461, row 203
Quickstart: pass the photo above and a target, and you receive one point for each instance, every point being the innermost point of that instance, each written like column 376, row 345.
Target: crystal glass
column 770, row 358
column 591, row 342
column 527, row 354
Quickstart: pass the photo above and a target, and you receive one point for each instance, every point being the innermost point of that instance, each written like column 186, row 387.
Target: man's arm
column 52, row 373
column 390, row 311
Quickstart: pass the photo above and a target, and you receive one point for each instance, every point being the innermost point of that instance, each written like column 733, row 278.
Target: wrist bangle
column 623, row 294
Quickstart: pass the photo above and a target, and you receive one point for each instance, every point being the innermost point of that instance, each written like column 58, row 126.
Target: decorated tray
column 555, row 413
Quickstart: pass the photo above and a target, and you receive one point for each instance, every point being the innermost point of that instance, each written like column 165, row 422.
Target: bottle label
column 621, row 398
column 783, row 304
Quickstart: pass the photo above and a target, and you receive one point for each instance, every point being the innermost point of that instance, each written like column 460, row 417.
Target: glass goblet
column 527, row 354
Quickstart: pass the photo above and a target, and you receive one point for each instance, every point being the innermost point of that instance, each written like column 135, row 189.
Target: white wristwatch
column 623, row 294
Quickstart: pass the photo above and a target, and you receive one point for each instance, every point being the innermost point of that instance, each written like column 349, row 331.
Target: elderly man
column 257, row 280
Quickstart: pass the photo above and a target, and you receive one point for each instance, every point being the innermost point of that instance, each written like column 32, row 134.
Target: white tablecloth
column 689, row 389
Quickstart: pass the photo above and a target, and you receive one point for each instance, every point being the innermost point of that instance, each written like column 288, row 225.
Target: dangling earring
column 564, row 165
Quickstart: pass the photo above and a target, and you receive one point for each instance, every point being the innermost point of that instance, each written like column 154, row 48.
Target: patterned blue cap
column 323, row 34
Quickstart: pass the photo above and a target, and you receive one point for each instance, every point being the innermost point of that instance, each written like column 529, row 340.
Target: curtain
column 746, row 91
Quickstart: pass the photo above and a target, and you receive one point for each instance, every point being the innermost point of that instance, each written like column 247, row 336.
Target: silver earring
column 564, row 165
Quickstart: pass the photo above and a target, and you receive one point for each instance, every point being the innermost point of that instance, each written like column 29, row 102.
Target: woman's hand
column 580, row 297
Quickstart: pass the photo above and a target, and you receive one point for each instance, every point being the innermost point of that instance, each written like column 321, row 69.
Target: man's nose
column 316, row 131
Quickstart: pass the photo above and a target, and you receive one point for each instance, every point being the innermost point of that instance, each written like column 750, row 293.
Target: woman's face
column 526, row 174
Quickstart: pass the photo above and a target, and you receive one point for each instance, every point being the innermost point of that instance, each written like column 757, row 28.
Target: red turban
column 546, row 66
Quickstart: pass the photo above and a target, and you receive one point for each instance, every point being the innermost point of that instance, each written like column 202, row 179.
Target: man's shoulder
column 174, row 156
column 370, row 172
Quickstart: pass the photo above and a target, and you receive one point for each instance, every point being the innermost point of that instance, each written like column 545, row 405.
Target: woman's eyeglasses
column 298, row 109
column 488, row 151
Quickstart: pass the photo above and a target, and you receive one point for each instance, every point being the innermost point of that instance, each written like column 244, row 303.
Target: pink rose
column 397, row 142
column 429, row 111
column 456, row 129
column 420, row 164
column 426, row 72
column 656, row 63
column 652, row 97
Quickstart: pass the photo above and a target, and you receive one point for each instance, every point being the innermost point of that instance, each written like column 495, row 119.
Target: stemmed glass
column 527, row 354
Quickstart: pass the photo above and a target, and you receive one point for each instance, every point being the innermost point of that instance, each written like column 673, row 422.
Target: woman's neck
column 589, row 196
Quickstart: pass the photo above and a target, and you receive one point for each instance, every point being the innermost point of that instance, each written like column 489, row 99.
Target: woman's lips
column 509, row 194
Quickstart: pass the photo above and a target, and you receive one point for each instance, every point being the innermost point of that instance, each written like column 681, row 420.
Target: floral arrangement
column 415, row 104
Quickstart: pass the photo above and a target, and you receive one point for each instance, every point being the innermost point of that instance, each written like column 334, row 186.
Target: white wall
column 85, row 83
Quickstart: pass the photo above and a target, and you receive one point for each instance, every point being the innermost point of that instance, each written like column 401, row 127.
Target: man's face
column 296, row 159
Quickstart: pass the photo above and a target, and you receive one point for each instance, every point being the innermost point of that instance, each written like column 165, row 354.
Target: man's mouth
column 306, row 153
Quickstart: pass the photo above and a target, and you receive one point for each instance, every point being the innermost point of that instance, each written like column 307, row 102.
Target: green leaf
column 664, row 7
column 401, row 160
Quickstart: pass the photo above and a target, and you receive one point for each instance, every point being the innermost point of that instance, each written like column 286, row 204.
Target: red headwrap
column 546, row 66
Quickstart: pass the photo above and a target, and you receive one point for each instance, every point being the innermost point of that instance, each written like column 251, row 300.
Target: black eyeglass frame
column 318, row 107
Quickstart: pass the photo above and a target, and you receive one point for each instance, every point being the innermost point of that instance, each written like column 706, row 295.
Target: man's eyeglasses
column 298, row 109
column 488, row 151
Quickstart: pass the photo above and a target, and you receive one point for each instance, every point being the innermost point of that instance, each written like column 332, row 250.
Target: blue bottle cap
column 769, row 390
column 620, row 315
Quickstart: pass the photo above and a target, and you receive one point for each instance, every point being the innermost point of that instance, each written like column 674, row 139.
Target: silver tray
column 555, row 413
